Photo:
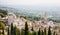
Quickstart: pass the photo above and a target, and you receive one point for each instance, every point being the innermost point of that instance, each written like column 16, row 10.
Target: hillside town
column 20, row 23
column 29, row 17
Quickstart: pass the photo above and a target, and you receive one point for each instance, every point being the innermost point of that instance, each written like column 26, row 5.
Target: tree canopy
column 3, row 12
column 2, row 25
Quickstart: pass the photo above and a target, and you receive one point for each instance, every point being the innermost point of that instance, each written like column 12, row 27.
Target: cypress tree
column 34, row 33
column 12, row 29
column 54, row 33
column 49, row 31
column 26, row 29
column 39, row 32
column 8, row 31
column 3, row 32
column 17, row 31
column 42, row 33
column 45, row 31
column 22, row 32
column 32, row 29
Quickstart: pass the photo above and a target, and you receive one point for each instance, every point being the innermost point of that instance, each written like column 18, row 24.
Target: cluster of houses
column 20, row 22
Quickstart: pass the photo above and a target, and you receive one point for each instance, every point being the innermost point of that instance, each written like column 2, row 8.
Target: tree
column 3, row 12
column 49, row 31
column 54, row 33
column 8, row 31
column 26, row 29
column 17, row 31
column 39, row 32
column 2, row 25
column 22, row 31
column 34, row 33
column 3, row 32
column 42, row 33
column 45, row 31
column 12, row 29
column 32, row 29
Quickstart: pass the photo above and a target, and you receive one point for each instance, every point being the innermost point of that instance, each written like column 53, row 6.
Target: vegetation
column 54, row 33
column 8, row 31
column 12, row 29
column 3, row 32
column 39, row 32
column 26, row 29
column 34, row 33
column 15, row 31
column 3, row 12
column 45, row 33
column 2, row 25
column 49, row 31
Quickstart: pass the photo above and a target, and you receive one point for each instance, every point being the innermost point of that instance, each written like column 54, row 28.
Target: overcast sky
column 29, row 2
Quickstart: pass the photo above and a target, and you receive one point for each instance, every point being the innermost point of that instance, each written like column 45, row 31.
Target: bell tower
column 45, row 18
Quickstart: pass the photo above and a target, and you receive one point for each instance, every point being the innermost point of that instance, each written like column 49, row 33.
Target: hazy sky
column 29, row 2
column 43, row 5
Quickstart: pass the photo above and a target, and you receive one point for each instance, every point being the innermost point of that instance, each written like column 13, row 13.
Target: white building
column 20, row 23
column 11, row 17
column 51, row 23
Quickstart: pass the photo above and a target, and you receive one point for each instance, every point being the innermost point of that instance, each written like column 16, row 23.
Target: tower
column 45, row 18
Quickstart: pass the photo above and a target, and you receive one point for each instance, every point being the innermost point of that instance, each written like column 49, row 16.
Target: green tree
column 45, row 31
column 32, row 29
column 49, row 31
column 22, row 32
column 34, row 33
column 42, row 33
column 39, row 32
column 17, row 31
column 3, row 12
column 26, row 29
column 54, row 33
column 8, row 31
column 3, row 32
column 12, row 29
column 2, row 25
